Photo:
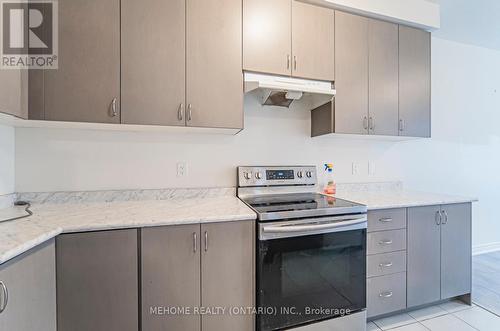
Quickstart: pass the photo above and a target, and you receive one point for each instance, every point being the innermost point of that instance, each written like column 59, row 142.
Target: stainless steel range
column 311, row 252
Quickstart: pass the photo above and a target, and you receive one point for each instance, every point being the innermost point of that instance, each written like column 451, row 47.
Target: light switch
column 354, row 168
column 181, row 169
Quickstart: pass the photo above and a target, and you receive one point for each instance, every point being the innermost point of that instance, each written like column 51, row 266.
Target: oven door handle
column 337, row 225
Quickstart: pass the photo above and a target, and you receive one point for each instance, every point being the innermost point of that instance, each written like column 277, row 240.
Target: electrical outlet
column 371, row 168
column 355, row 168
column 181, row 169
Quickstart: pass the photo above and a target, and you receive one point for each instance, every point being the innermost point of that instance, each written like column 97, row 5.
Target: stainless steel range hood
column 283, row 91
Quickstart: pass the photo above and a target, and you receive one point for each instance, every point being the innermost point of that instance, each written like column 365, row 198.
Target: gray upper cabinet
column 267, row 30
column 153, row 62
column 13, row 92
column 228, row 273
column 214, row 61
column 30, row 280
column 86, row 87
column 170, row 276
column 424, row 258
column 351, row 73
column 456, row 250
column 383, row 78
column 414, row 82
column 97, row 281
column 313, row 41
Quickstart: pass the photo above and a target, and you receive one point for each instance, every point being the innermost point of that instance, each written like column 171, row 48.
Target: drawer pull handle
column 386, row 294
column 385, row 220
column 5, row 295
column 385, row 242
column 386, row 265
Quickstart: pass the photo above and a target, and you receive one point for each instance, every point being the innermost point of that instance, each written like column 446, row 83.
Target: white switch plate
column 355, row 168
column 371, row 168
column 181, row 169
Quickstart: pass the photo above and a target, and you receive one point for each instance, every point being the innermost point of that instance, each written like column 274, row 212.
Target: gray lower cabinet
column 30, row 281
column 227, row 274
column 439, row 253
column 414, row 82
column 97, row 281
column 170, row 269
column 86, row 86
column 386, row 294
column 193, row 266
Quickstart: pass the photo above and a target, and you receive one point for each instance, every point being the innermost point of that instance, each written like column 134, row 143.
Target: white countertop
column 51, row 219
column 387, row 199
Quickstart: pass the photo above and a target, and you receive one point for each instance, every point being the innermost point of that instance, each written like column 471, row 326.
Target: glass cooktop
column 284, row 206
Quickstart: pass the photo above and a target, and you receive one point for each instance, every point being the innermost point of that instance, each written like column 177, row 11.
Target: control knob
column 309, row 174
column 300, row 174
column 258, row 175
column 248, row 175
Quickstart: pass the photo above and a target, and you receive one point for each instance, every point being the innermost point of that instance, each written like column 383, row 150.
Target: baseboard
column 486, row 248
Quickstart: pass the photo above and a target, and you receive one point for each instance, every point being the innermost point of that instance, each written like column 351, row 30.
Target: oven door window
column 310, row 278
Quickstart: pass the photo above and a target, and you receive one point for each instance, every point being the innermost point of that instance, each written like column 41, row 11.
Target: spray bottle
column 330, row 187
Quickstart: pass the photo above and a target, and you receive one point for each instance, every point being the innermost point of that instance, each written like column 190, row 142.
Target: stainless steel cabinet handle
column 195, row 242
column 190, row 112
column 5, row 296
column 288, row 62
column 180, row 114
column 385, row 265
column 371, row 123
column 113, row 112
column 386, row 294
column 445, row 219
column 385, row 242
column 438, row 217
column 294, row 62
column 401, row 125
column 365, row 123
column 206, row 241
column 385, row 220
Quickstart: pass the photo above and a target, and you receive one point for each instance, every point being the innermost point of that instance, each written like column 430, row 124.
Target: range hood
column 283, row 91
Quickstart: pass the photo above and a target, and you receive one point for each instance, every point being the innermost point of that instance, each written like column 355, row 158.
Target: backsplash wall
column 7, row 157
column 464, row 127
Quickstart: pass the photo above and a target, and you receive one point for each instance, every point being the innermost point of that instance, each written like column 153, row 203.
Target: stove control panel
column 276, row 176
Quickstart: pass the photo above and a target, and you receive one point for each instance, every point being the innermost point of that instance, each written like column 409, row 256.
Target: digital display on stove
column 279, row 174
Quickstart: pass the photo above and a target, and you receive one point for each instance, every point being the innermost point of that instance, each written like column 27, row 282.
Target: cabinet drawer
column 386, row 294
column 385, row 264
column 386, row 241
column 386, row 219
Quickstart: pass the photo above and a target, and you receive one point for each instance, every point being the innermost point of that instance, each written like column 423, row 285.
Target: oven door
column 310, row 270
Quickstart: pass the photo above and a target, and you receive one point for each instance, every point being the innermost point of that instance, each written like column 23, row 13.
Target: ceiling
column 475, row 22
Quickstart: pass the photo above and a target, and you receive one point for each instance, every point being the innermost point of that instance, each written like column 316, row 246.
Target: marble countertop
column 64, row 212
column 49, row 220
column 399, row 198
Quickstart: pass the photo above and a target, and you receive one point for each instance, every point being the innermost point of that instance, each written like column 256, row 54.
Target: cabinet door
column 351, row 73
column 414, row 82
column 456, row 250
column 424, row 257
column 153, row 62
column 227, row 269
column 88, row 78
column 267, row 33
column 13, row 88
column 170, row 276
column 383, row 78
column 313, row 41
column 31, row 283
column 214, row 75
column 97, row 281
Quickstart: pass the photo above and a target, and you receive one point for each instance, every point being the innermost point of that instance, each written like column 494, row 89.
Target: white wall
column 7, row 157
column 461, row 158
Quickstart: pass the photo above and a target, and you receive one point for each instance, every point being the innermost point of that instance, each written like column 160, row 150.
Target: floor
column 449, row 316
column 455, row 315
column 486, row 281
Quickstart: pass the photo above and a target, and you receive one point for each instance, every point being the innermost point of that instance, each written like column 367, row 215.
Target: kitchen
column 116, row 179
